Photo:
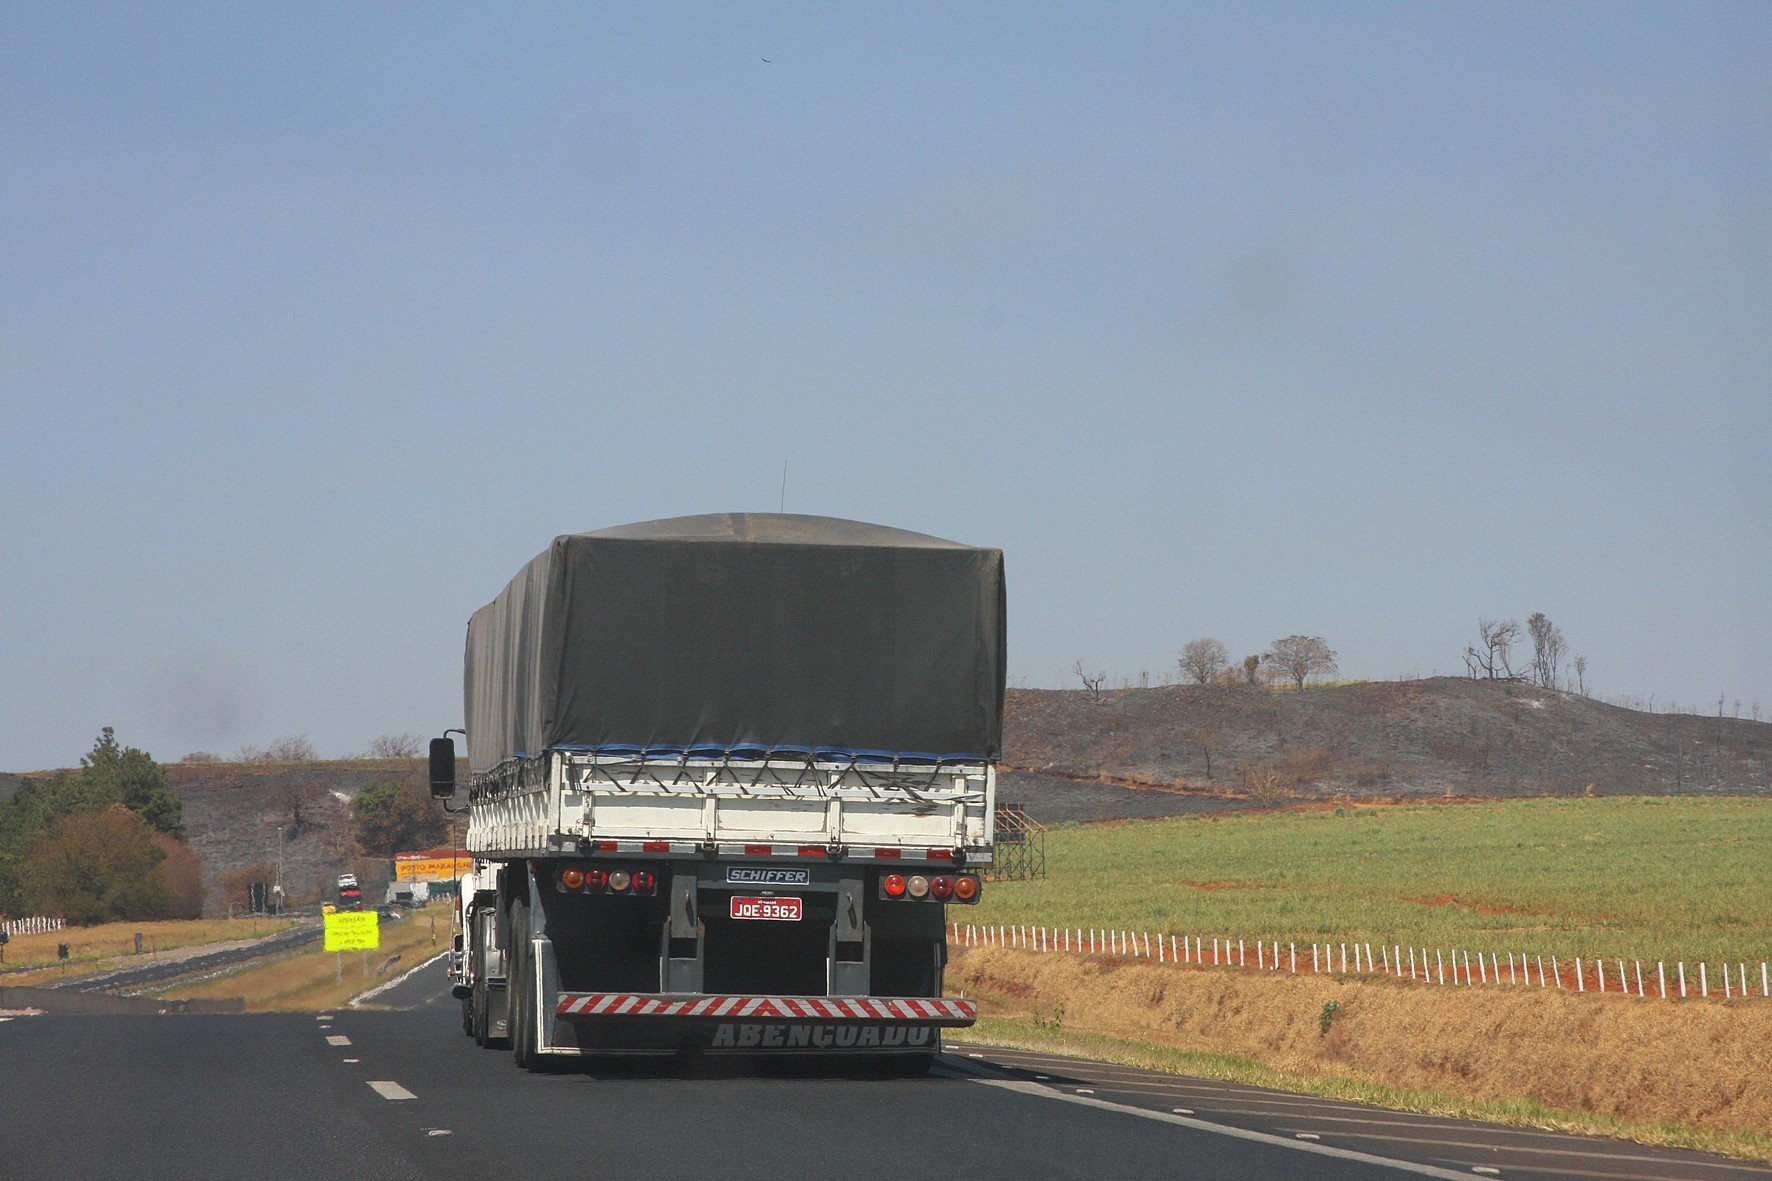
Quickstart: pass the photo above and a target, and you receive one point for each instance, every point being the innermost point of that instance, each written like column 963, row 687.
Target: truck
column 725, row 776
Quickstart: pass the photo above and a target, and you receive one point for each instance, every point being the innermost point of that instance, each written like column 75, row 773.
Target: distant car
column 350, row 898
column 347, row 881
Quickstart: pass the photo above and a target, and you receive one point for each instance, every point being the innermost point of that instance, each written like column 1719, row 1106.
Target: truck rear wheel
column 521, row 989
column 478, row 1018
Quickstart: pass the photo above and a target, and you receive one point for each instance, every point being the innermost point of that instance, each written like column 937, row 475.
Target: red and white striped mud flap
column 869, row 1010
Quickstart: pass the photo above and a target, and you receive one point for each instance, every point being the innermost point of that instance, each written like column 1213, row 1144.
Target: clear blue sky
column 1361, row 321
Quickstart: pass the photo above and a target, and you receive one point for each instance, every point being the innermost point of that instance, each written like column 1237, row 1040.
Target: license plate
column 781, row 910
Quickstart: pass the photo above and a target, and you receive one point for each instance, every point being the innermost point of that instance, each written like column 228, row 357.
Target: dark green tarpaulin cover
column 737, row 630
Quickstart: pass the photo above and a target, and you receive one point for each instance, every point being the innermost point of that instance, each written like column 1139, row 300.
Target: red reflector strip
column 603, row 846
column 759, row 850
column 655, row 847
column 917, row 1010
column 811, row 851
column 941, row 854
column 888, row 854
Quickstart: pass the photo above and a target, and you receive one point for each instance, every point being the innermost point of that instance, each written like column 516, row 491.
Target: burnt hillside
column 1386, row 738
column 233, row 812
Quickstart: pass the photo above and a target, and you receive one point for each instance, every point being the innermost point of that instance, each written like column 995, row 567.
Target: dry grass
column 1689, row 1073
column 309, row 981
column 88, row 946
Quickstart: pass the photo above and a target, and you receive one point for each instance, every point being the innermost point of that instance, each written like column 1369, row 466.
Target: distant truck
column 350, row 894
column 727, row 773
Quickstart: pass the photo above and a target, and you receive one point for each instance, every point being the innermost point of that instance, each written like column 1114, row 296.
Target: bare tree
column 394, row 746
column 1581, row 675
column 1207, row 737
column 298, row 801
column 1301, row 657
column 1547, row 649
column 1202, row 659
column 1492, row 654
column 1091, row 683
column 291, row 750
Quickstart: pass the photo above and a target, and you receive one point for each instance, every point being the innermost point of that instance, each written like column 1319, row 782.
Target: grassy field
column 1642, row 878
column 311, row 981
column 87, row 946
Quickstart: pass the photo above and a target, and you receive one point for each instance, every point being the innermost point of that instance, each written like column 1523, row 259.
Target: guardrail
column 1436, row 966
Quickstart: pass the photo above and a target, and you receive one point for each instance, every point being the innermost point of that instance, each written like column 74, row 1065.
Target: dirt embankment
column 1700, row 1064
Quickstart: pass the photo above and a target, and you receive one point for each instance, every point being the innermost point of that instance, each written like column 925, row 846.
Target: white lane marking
column 337, row 1039
column 389, row 1090
column 436, row 1131
column 1598, row 1152
column 1486, row 1170
column 387, row 984
column 323, row 1017
column 1182, row 1110
column 353, row 1061
column 1038, row 1091
column 1305, row 1136
column 1085, row 1091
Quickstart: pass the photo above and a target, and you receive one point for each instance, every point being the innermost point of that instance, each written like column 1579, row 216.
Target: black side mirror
column 442, row 768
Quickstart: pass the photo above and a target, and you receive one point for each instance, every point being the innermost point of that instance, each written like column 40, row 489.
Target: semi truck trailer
column 726, row 775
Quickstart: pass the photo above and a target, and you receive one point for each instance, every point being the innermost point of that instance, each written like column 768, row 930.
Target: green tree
column 396, row 818
column 110, row 775
column 38, row 804
column 99, row 867
column 131, row 777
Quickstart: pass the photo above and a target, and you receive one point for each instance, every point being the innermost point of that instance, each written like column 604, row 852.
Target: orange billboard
column 432, row 865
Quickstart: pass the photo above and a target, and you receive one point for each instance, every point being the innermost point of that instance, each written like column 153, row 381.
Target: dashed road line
column 337, row 1039
column 391, row 1090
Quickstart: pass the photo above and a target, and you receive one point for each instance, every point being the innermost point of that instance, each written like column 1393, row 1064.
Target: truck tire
column 521, row 989
column 477, row 1001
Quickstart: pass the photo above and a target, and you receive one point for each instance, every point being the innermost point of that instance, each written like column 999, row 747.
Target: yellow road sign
column 353, row 930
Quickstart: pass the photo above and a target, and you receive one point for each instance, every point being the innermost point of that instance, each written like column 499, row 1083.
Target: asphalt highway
column 400, row 1094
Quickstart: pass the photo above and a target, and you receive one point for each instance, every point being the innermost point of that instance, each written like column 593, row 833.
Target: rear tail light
column 966, row 889
column 619, row 880
column 892, row 885
column 572, row 879
column 941, row 889
column 644, row 882
column 917, row 886
column 597, row 879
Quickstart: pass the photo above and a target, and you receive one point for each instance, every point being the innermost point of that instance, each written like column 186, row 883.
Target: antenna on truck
column 784, row 487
